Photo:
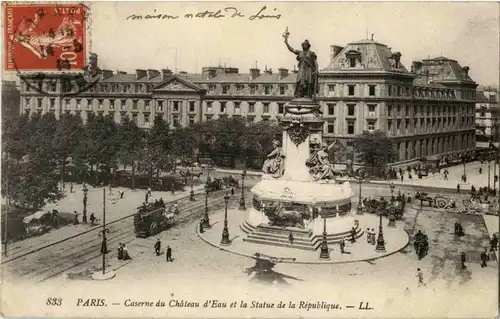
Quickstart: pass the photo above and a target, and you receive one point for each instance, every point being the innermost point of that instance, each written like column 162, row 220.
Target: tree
column 68, row 131
column 130, row 148
column 374, row 149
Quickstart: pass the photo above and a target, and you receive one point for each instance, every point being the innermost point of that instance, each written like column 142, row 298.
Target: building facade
column 487, row 117
column 428, row 111
column 11, row 98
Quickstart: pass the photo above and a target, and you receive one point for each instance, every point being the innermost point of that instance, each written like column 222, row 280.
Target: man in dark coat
column 484, row 258
column 169, row 254
column 494, row 243
column 463, row 259
column 92, row 219
column 120, row 251
column 201, row 227
column 158, row 247
column 353, row 235
column 342, row 246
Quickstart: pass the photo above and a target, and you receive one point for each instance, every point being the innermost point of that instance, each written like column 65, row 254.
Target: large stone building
column 428, row 110
column 487, row 117
column 10, row 100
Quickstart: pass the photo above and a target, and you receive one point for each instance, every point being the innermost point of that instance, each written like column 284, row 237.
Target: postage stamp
column 44, row 37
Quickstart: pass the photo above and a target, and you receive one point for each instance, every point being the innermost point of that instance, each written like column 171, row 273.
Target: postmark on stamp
column 45, row 37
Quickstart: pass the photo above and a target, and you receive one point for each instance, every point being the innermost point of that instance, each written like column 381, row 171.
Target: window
column 281, row 108
column 101, row 104
column 390, row 90
column 352, row 62
column 159, row 105
column 222, row 107
column 225, row 89
column 176, row 106
column 237, row 108
column 134, row 105
column 267, row 89
column 351, row 90
column 211, row 88
column 371, row 126
column 134, row 118
column 191, row 106
column 389, row 125
column 389, row 110
column 253, row 89
column 52, row 103
column 209, row 107
column 407, row 111
column 330, row 127
column 78, row 103
column 399, row 91
column 371, row 90
column 146, row 119
column 251, row 107
column 282, row 89
column 39, row 102
column 398, row 125
column 239, row 88
column 176, row 121
column 331, row 89
column 350, row 127
column 191, row 120
column 147, row 105
column 265, row 107
column 371, row 109
column 331, row 108
column 351, row 109
column 483, row 113
column 66, row 103
column 112, row 104
column 89, row 103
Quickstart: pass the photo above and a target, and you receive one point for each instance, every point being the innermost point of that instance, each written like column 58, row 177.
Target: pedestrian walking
column 494, row 242
column 158, row 247
column 169, row 254
column 458, row 188
column 420, row 276
column 463, row 259
column 232, row 191
column 126, row 256
column 120, row 251
column 149, row 191
column 342, row 246
column 172, row 189
column 373, row 236
column 75, row 218
column 290, row 238
column 176, row 208
column 480, row 170
column 147, row 197
column 368, row 235
column 71, row 187
column 445, row 176
column 121, row 194
column 353, row 235
column 201, row 227
column 484, row 258
column 402, row 177
column 92, row 219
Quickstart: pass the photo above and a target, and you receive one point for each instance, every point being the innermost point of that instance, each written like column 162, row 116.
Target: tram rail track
column 16, row 254
column 67, row 258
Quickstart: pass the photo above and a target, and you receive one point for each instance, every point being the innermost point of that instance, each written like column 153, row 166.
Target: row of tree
column 38, row 150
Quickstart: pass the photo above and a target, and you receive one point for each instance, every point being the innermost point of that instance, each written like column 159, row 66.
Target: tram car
column 150, row 220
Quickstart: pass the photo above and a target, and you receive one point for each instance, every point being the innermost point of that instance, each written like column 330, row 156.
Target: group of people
column 370, row 236
column 123, row 252
column 158, row 250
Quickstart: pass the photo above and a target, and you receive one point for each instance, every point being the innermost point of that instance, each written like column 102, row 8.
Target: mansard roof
column 441, row 69
column 373, row 56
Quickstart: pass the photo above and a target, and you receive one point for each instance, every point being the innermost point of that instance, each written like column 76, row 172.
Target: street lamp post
column 225, row 232
column 324, row 253
column 489, row 170
column 206, row 220
column 380, row 248
column 104, row 244
column 464, row 160
column 242, row 199
column 360, row 198
column 85, row 192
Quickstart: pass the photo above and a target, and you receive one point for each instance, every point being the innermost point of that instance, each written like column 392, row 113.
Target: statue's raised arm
column 285, row 36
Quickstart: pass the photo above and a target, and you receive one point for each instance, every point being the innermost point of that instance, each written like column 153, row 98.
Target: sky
column 467, row 32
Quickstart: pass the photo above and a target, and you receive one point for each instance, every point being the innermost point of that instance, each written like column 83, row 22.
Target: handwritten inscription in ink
column 264, row 13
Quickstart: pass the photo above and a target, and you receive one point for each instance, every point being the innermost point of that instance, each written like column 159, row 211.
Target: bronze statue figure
column 319, row 164
column 307, row 85
column 273, row 164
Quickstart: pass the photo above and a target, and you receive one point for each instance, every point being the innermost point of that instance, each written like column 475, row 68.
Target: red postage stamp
column 44, row 37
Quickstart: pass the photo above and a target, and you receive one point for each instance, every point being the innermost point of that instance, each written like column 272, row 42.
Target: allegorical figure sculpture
column 307, row 76
column 273, row 164
column 319, row 164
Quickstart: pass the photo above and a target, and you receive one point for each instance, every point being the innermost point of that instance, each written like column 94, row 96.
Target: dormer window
column 354, row 57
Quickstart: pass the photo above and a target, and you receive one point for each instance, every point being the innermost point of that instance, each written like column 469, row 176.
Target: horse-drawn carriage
column 421, row 245
column 381, row 206
column 437, row 201
column 152, row 219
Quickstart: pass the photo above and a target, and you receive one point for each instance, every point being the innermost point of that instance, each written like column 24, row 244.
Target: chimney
column 208, row 72
column 466, row 69
column 183, row 73
column 107, row 73
column 295, row 70
column 165, row 73
column 121, row 72
column 283, row 73
column 254, row 73
column 268, row 71
column 152, row 73
column 335, row 50
column 140, row 74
